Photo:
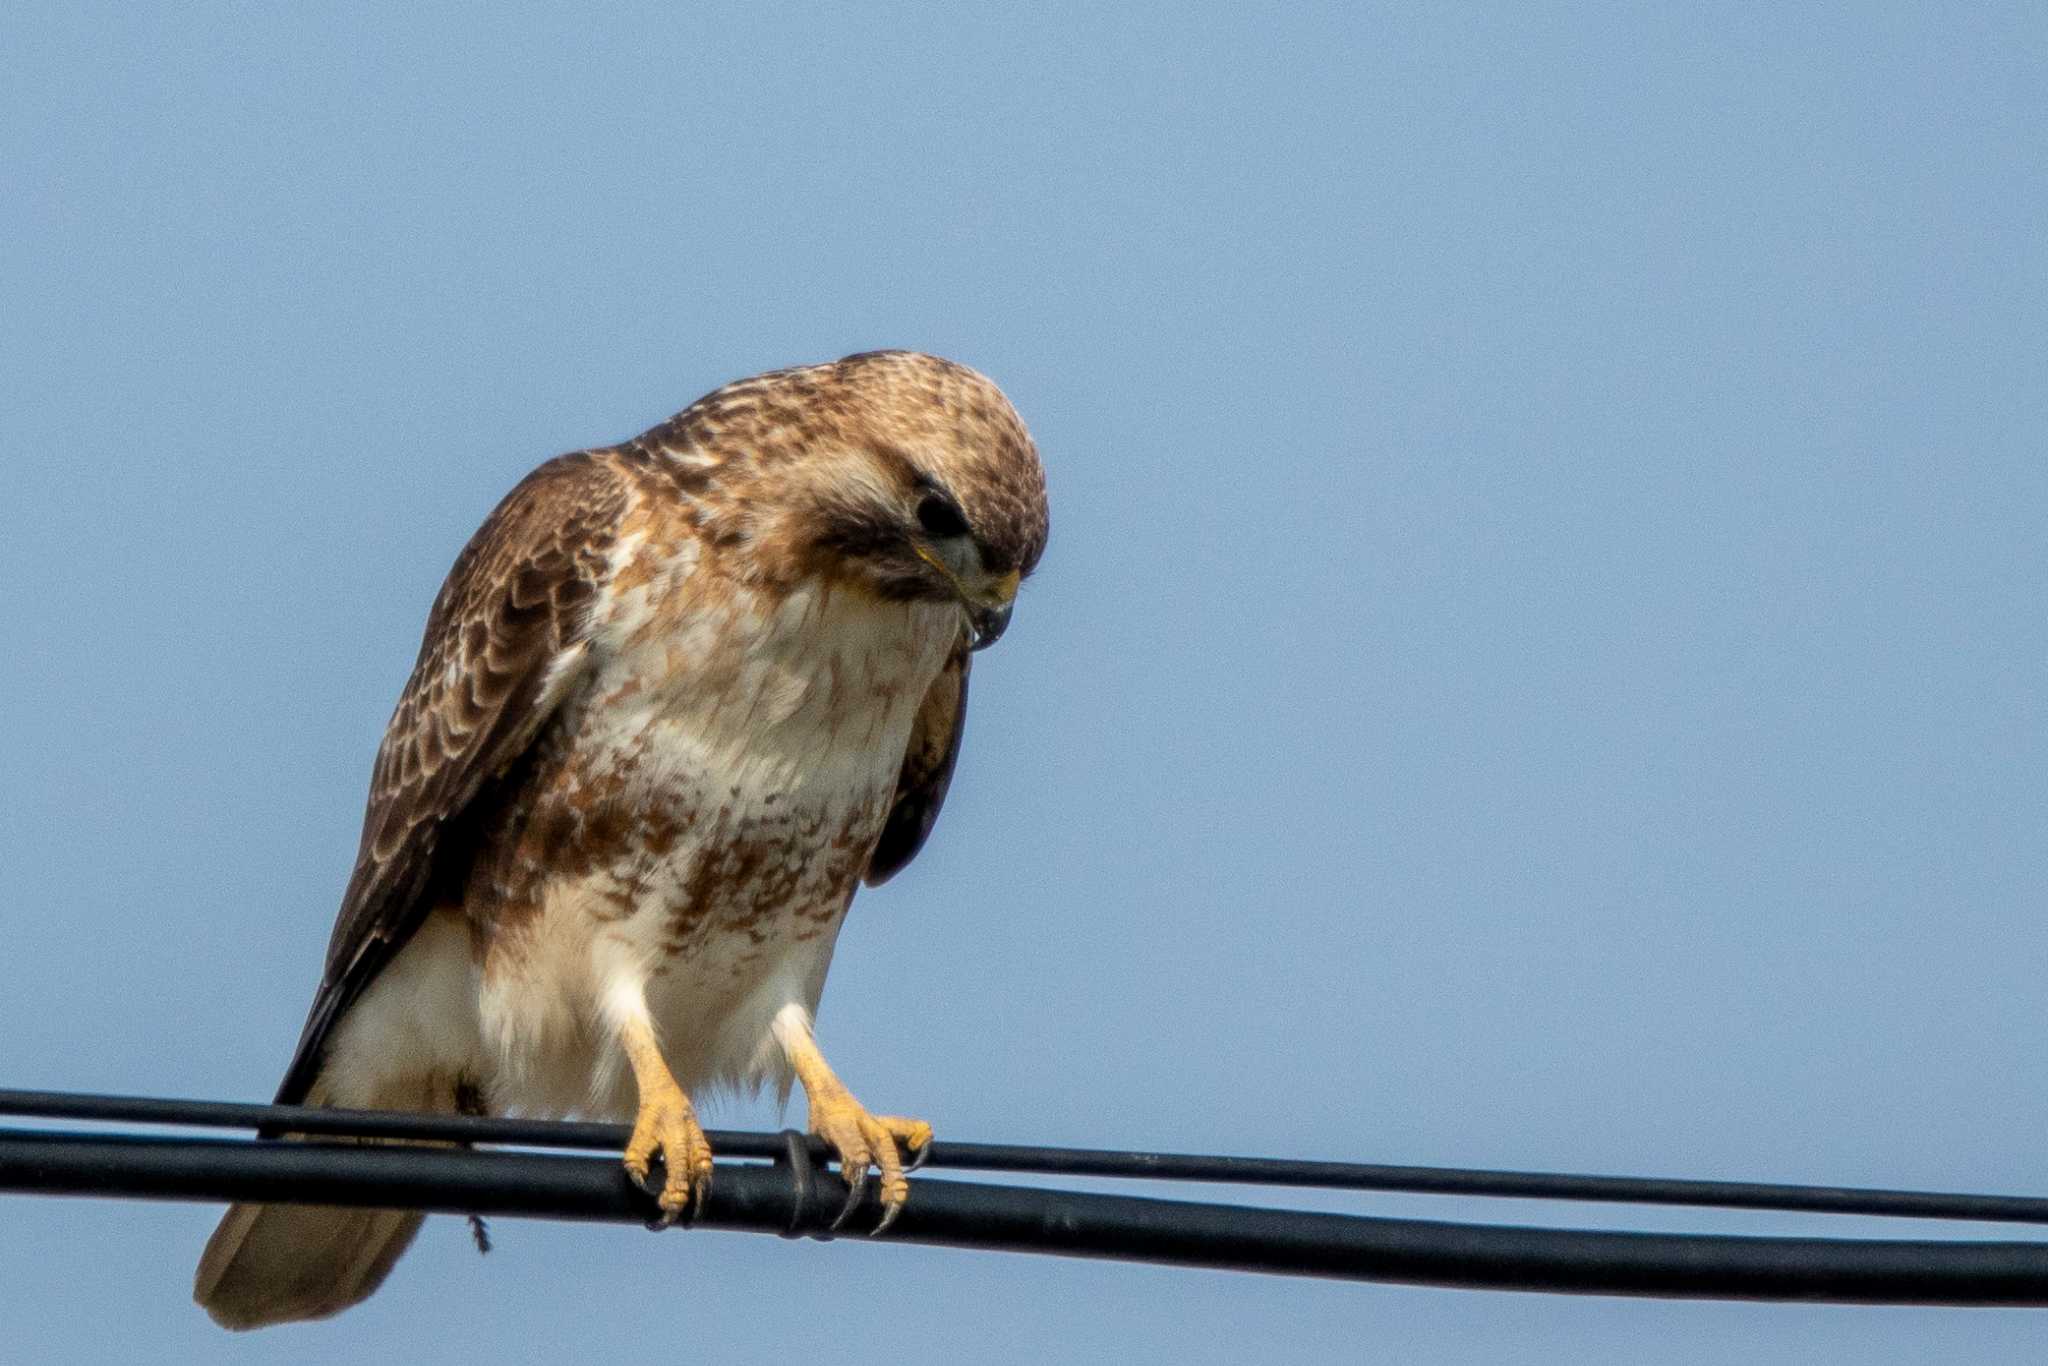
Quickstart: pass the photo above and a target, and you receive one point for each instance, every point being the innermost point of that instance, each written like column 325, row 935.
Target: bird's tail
column 270, row 1264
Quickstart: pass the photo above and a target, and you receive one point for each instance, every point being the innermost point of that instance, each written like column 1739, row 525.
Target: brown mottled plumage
column 677, row 698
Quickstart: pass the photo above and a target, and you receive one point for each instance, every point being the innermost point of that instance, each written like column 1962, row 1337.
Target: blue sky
column 1541, row 661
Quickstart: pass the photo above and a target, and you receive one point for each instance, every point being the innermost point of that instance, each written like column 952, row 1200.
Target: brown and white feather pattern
column 651, row 743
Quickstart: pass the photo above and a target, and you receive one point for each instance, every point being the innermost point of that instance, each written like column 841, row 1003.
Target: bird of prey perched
column 677, row 699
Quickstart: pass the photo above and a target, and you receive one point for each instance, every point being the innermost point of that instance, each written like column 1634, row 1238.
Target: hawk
column 676, row 701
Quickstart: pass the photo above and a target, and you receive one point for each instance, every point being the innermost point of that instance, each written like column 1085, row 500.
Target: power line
column 761, row 1198
column 1094, row 1162
column 796, row 1197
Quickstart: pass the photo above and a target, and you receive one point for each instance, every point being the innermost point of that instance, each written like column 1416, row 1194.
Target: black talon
column 651, row 1188
column 796, row 1153
column 918, row 1157
column 856, row 1187
column 662, row 1218
column 652, row 1185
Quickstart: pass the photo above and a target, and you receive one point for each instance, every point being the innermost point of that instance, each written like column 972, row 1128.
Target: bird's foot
column 863, row 1140
column 668, row 1125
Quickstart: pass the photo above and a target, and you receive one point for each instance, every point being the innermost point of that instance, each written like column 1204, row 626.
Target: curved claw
column 889, row 1212
column 856, row 1189
column 918, row 1157
column 644, row 1179
column 642, row 1175
column 668, row 1216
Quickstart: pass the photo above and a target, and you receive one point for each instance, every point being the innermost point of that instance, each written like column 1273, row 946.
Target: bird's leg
column 861, row 1140
column 666, row 1124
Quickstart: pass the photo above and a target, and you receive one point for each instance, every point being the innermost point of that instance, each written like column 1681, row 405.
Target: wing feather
column 504, row 645
column 927, row 770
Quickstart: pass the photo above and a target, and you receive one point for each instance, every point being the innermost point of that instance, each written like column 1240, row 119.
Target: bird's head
column 906, row 476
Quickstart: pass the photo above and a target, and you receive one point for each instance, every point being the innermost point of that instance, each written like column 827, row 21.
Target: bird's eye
column 937, row 515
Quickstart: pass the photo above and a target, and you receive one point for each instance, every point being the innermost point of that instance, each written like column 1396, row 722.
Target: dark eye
column 939, row 518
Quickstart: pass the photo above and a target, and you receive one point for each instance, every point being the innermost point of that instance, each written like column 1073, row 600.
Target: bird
column 678, row 699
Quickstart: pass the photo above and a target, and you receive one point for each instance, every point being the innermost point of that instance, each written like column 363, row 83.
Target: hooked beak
column 988, row 611
column 989, row 624
column 990, row 616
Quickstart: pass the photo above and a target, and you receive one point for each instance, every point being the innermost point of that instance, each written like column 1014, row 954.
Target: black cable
column 969, row 1215
column 1264, row 1171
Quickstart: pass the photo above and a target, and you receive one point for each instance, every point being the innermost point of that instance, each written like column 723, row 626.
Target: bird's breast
column 732, row 763
column 780, row 693
column 698, row 818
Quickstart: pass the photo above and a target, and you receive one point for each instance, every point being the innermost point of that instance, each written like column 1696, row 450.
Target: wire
column 1263, row 1171
column 764, row 1198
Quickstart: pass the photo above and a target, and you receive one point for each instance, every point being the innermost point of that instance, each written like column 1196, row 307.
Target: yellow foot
column 862, row 1141
column 667, row 1125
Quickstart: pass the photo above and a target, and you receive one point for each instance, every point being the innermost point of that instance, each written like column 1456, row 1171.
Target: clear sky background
column 1542, row 660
